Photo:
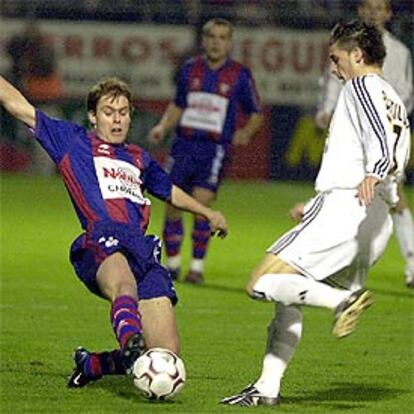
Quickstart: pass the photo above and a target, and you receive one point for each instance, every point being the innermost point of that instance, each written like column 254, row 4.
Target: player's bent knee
column 271, row 265
column 124, row 289
column 261, row 289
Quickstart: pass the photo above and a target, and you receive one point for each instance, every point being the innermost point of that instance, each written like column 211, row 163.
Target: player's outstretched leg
column 91, row 366
column 250, row 397
column 348, row 312
column 79, row 377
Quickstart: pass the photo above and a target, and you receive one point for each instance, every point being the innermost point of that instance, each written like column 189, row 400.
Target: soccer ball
column 159, row 374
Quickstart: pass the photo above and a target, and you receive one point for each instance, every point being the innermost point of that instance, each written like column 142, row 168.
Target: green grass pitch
column 46, row 312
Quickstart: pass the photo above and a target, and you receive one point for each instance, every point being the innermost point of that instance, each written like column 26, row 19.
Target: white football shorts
column 337, row 240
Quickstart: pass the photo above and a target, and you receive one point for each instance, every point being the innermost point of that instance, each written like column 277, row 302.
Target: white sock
column 197, row 265
column 404, row 230
column 174, row 262
column 293, row 289
column 284, row 333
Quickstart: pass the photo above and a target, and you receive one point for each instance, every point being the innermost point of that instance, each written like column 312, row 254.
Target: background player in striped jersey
column 106, row 179
column 398, row 71
column 324, row 260
column 209, row 91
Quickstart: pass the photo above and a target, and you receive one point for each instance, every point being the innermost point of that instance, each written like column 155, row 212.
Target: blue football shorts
column 142, row 252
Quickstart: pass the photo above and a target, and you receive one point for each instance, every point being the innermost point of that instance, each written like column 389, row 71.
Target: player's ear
column 358, row 55
column 204, row 41
column 389, row 14
column 92, row 118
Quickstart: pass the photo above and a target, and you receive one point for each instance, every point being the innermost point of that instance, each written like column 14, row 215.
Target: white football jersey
column 369, row 134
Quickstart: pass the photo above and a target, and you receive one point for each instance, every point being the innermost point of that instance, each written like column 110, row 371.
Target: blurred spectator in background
column 34, row 66
column 398, row 72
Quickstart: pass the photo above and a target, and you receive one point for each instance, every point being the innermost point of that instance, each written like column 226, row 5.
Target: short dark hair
column 112, row 86
column 218, row 21
column 359, row 34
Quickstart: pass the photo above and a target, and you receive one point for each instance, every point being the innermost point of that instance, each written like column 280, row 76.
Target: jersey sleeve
column 404, row 87
column 249, row 98
column 180, row 98
column 54, row 135
column 156, row 180
column 375, row 130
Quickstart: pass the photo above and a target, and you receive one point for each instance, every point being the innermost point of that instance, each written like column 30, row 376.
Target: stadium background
column 283, row 42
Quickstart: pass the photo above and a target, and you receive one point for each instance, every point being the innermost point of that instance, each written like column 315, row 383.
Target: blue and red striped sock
column 104, row 363
column 173, row 236
column 201, row 236
column 126, row 319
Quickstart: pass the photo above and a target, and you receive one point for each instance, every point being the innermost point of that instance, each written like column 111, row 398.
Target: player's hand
column 156, row 135
column 296, row 212
column 218, row 224
column 366, row 190
column 241, row 137
column 322, row 120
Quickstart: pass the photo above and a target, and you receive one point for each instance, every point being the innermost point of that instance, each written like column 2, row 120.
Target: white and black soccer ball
column 159, row 374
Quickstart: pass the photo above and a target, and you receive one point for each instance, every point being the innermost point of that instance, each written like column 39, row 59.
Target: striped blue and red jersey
column 210, row 99
column 106, row 182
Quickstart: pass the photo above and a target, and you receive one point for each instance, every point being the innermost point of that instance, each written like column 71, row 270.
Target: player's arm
column 169, row 120
column 366, row 94
column 183, row 201
column 16, row 104
column 250, row 104
column 243, row 135
column 405, row 87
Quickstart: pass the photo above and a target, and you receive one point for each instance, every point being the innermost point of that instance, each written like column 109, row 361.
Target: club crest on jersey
column 224, row 88
column 104, row 149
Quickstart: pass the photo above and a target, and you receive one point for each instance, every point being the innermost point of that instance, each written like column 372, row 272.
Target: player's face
column 374, row 12
column 217, row 44
column 112, row 119
column 344, row 64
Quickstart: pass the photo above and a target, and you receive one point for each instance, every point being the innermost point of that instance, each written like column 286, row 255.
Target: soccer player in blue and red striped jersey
column 106, row 179
column 210, row 90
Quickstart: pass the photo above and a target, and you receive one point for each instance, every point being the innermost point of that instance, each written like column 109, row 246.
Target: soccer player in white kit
column 344, row 229
column 397, row 69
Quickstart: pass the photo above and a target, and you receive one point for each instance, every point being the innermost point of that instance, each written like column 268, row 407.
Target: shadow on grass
column 119, row 385
column 346, row 395
column 123, row 388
